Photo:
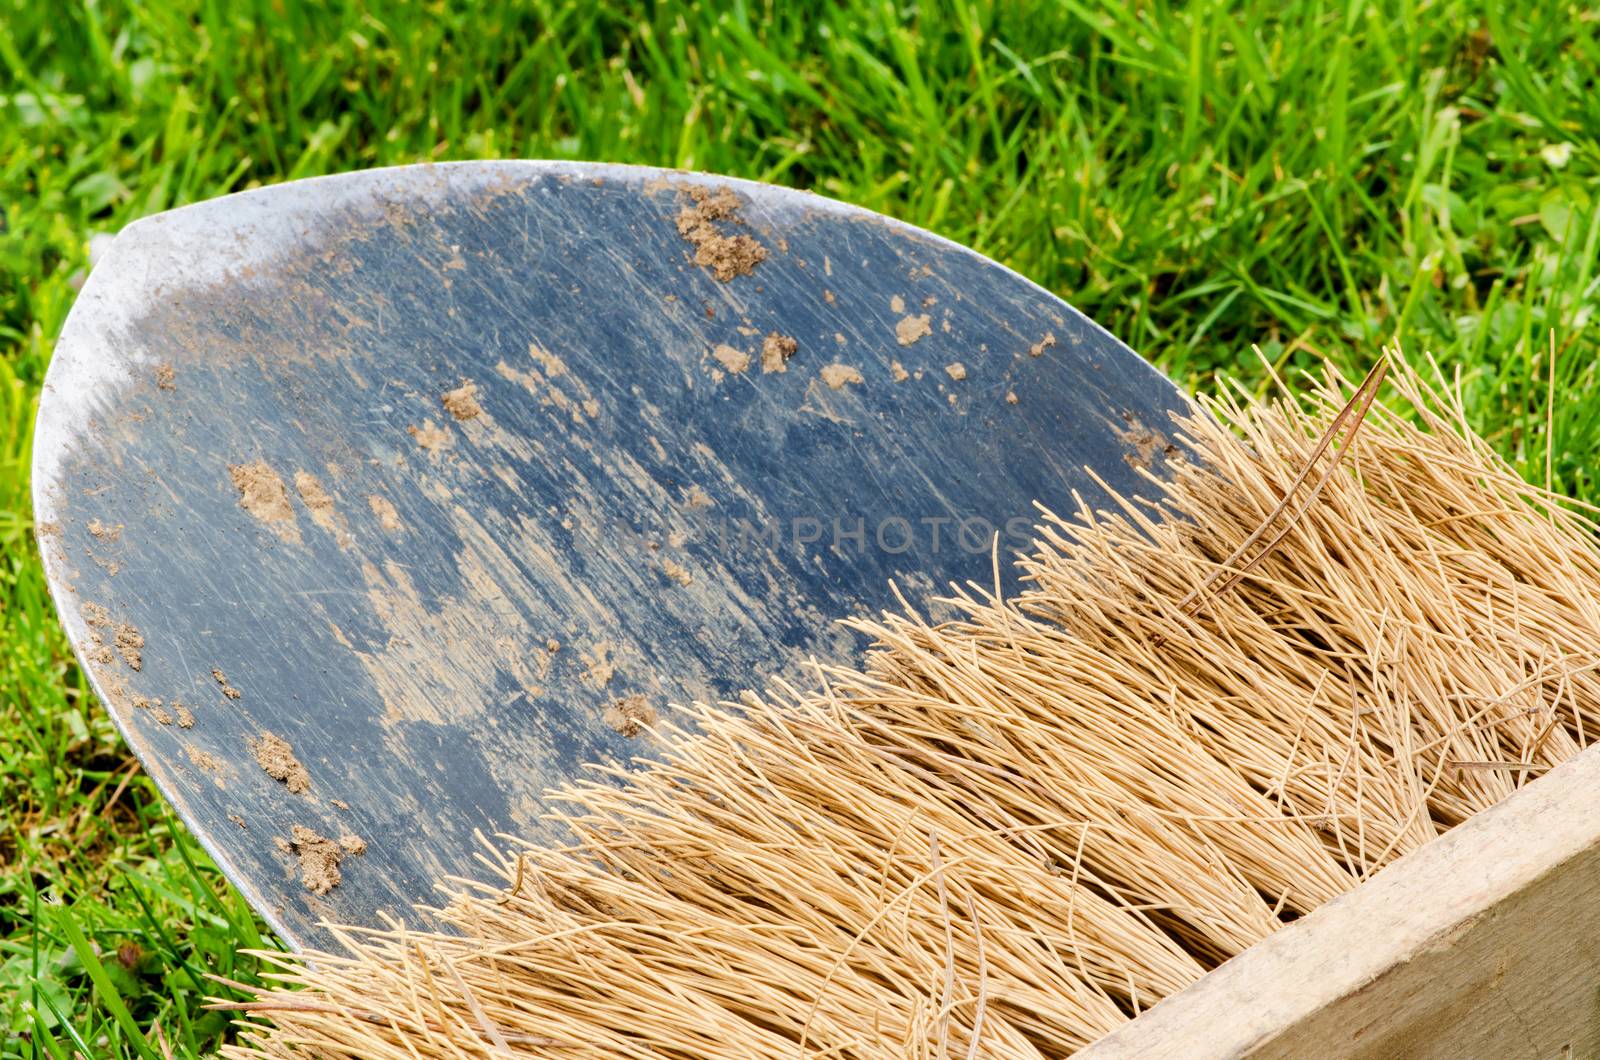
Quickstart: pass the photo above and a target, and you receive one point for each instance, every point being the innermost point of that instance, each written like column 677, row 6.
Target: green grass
column 1311, row 177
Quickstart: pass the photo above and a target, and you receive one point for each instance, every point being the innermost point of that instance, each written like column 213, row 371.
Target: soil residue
column 166, row 378
column 185, row 715
column 388, row 517
column 430, row 437
column 898, row 373
column 205, row 761
column 157, row 711
column 125, row 639
column 462, row 402
column 541, row 378
column 912, row 328
column 601, row 666
column 99, row 621
column 724, row 256
column 222, row 679
column 1144, row 442
column 837, row 376
column 263, row 495
column 320, row 856
column 695, row 498
column 276, row 758
column 733, row 360
column 677, row 571
column 630, row 715
column 130, row 645
column 108, row 532
column 776, row 350
column 956, row 370
column 1038, row 348
column 320, row 505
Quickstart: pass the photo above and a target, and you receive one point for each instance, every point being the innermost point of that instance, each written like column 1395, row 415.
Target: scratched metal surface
column 437, row 613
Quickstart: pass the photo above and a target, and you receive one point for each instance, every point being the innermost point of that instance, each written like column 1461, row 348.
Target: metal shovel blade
column 451, row 478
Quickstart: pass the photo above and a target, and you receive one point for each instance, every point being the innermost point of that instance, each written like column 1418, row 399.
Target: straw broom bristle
column 1343, row 630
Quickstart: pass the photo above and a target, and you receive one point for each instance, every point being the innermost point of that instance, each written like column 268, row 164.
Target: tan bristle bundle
column 1347, row 627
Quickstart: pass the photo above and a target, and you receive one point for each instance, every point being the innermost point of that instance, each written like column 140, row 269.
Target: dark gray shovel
column 454, row 477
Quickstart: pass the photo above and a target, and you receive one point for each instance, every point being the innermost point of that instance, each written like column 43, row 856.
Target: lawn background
column 1313, row 178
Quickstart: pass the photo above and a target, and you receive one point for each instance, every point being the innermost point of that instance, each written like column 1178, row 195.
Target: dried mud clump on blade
column 1038, row 348
column 837, row 376
column 912, row 328
column 733, row 360
column 462, row 402
column 222, row 681
column 776, row 350
column 125, row 639
column 154, row 706
column 956, row 370
column 166, row 378
column 277, row 760
column 263, row 494
column 130, row 645
column 98, row 619
column 724, row 256
column 630, row 715
column 320, row 856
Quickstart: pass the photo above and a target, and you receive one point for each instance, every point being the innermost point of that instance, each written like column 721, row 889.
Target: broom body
column 1343, row 630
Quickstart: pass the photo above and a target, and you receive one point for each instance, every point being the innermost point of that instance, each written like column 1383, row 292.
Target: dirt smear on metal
column 317, row 501
column 1143, row 443
column 431, row 438
column 263, row 494
column 630, row 715
column 388, row 517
